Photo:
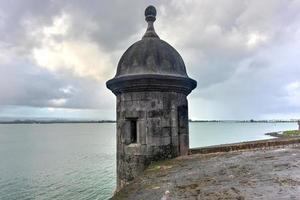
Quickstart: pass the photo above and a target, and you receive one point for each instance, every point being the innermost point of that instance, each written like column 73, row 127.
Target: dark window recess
column 133, row 131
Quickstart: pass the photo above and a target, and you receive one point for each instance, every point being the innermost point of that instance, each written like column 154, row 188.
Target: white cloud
column 58, row 102
column 68, row 89
column 255, row 39
column 293, row 90
column 59, row 26
column 82, row 57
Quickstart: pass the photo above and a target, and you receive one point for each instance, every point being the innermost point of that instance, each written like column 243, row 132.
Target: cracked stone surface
column 260, row 174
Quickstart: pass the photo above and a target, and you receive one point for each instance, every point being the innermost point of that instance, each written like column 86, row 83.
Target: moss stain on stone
column 291, row 133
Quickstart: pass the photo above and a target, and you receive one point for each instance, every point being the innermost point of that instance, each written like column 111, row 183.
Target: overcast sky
column 55, row 56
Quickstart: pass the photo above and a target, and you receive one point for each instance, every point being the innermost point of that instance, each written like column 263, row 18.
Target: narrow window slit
column 133, row 131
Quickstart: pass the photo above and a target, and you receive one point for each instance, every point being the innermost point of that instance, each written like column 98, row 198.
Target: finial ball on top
column 150, row 13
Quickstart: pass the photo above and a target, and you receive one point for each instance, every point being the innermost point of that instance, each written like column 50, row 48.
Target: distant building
column 151, row 86
column 299, row 125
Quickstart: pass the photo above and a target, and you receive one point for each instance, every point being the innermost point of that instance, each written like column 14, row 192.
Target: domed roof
column 151, row 64
column 151, row 55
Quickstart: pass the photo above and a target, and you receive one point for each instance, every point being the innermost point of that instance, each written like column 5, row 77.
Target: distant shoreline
column 246, row 121
column 56, row 122
column 113, row 121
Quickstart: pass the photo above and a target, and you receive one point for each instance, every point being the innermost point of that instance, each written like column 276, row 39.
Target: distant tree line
column 247, row 121
column 55, row 121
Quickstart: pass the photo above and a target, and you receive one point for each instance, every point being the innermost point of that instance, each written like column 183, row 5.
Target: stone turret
column 151, row 86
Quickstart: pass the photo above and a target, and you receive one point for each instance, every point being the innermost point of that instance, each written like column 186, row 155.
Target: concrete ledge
column 258, row 144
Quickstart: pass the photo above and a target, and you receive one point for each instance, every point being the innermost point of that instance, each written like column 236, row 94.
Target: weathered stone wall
column 162, row 130
column 270, row 173
column 258, row 144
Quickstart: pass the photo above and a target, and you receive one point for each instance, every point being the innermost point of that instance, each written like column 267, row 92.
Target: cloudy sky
column 55, row 56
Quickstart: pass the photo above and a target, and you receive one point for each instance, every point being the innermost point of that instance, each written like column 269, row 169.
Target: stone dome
column 151, row 60
column 151, row 55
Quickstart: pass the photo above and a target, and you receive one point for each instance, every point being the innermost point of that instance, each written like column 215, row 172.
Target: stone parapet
column 259, row 144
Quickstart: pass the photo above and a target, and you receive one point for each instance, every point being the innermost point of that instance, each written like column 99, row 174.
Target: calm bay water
column 77, row 161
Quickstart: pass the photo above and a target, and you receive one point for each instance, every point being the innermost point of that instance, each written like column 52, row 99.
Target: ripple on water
column 77, row 161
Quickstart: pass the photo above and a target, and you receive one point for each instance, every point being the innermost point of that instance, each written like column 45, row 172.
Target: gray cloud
column 244, row 54
column 26, row 85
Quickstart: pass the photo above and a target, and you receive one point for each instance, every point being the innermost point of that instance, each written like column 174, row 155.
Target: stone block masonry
column 160, row 118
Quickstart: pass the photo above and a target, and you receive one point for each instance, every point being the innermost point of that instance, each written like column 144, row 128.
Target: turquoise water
column 77, row 161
